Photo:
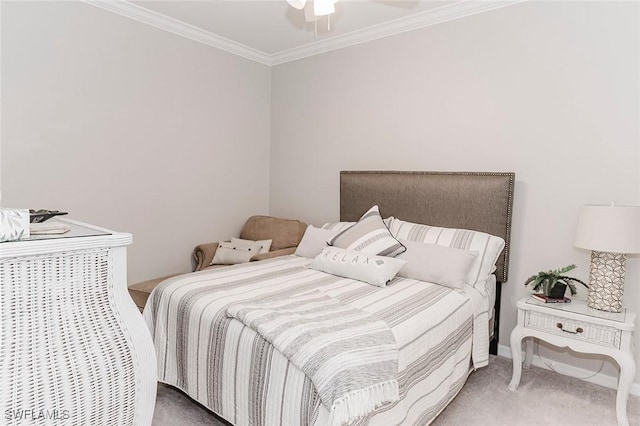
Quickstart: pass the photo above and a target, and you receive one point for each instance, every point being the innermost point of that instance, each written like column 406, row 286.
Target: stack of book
column 49, row 228
column 546, row 299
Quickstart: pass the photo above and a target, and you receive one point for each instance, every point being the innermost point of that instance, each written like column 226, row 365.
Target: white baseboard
column 570, row 370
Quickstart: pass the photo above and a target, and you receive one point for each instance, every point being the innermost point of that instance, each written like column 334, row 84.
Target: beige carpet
column 543, row 398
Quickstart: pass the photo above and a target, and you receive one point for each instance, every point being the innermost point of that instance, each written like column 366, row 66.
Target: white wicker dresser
column 74, row 349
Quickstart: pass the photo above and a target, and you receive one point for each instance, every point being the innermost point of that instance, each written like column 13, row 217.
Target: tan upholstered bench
column 284, row 233
column 140, row 291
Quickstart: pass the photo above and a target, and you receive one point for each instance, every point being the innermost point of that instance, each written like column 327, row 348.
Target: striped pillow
column 488, row 246
column 337, row 226
column 369, row 235
column 341, row 226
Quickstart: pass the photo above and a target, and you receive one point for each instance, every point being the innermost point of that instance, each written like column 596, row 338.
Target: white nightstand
column 582, row 329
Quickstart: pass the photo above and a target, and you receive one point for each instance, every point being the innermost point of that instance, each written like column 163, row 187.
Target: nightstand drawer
column 579, row 330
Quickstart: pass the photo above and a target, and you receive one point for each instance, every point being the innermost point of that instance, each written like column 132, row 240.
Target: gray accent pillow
column 369, row 235
column 375, row 270
column 313, row 241
column 436, row 264
column 488, row 246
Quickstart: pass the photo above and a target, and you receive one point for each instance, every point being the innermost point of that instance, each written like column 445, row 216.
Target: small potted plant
column 554, row 283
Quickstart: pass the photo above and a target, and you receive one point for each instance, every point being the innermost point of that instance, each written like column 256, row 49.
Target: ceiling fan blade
column 308, row 12
column 298, row 4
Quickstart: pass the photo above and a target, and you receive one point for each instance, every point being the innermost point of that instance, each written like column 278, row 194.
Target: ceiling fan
column 314, row 9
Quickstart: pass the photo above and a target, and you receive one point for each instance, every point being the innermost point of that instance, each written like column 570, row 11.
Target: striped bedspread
column 350, row 356
column 235, row 372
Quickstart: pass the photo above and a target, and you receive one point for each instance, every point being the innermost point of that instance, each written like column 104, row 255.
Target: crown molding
column 175, row 26
column 427, row 18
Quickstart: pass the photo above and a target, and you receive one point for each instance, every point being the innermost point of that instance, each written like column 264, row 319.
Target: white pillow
column 436, row 264
column 265, row 245
column 313, row 241
column 228, row 253
column 375, row 270
column 369, row 235
column 488, row 246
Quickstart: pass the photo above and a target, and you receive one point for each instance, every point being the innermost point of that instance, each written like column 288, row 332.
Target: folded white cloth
column 350, row 355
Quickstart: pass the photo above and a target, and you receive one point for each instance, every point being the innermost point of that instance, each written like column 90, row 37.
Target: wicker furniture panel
column 74, row 349
column 593, row 333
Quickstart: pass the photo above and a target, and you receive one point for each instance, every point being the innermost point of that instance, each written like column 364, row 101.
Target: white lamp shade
column 609, row 228
column 323, row 7
column 298, row 4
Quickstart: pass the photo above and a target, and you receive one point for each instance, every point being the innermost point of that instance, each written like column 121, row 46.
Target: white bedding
column 234, row 372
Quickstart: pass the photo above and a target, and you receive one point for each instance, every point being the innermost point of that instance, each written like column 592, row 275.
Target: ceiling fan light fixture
column 323, row 7
column 314, row 9
column 297, row 4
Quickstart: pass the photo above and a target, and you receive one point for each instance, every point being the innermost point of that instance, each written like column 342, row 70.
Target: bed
column 442, row 334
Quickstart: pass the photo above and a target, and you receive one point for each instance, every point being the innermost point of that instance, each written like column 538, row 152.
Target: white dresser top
column 81, row 236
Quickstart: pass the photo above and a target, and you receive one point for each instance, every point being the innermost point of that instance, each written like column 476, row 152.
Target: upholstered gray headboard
column 467, row 200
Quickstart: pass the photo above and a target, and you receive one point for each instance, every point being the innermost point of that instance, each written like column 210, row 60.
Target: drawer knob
column 578, row 330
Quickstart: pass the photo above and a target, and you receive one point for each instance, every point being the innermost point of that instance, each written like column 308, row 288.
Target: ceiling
column 272, row 26
column 272, row 32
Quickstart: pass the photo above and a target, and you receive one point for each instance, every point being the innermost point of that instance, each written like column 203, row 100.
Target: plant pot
column 557, row 292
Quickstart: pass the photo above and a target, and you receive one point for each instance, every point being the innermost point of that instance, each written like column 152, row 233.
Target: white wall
column 140, row 130
column 547, row 90
column 131, row 128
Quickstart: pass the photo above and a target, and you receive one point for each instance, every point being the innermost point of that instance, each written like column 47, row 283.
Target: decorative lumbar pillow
column 369, row 235
column 375, row 270
column 436, row 264
column 488, row 246
column 313, row 241
column 265, row 245
column 228, row 253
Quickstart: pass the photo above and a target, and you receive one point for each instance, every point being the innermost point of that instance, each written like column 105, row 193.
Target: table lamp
column 610, row 232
